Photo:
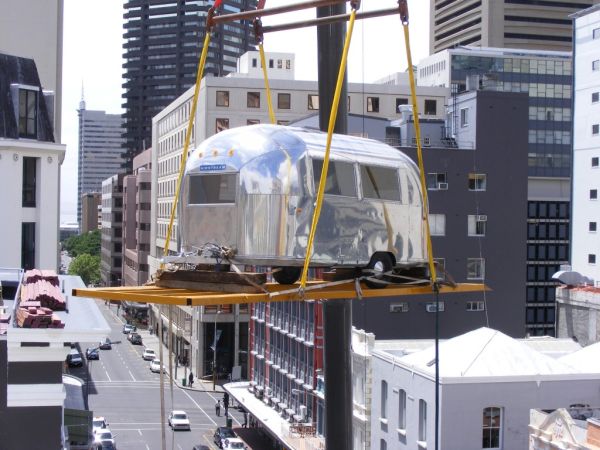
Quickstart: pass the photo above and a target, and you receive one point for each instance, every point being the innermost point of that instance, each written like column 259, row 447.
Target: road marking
column 107, row 375
column 199, row 407
column 132, row 377
column 140, row 431
column 179, row 446
column 147, row 448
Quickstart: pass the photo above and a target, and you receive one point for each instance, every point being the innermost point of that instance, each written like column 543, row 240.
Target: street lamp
column 215, row 350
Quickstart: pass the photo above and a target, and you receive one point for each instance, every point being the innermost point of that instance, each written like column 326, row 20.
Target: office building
column 163, row 41
column 30, row 163
column 526, row 24
column 585, row 250
column 34, row 29
column 111, row 234
column 100, row 151
column 89, row 212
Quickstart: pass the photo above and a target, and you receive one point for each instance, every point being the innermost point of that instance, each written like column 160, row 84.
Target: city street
column 124, row 391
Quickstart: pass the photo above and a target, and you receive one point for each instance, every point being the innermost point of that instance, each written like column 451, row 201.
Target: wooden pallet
column 205, row 279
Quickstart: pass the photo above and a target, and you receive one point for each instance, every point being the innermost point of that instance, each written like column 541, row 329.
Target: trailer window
column 340, row 177
column 214, row 188
column 380, row 183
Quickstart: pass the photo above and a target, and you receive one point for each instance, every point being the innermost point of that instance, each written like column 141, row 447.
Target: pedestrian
column 245, row 424
column 218, row 408
column 226, row 403
column 191, row 379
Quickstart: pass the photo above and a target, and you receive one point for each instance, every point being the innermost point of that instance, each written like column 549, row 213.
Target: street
column 124, row 391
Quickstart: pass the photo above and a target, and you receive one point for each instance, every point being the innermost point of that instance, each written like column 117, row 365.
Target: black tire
column 286, row 275
column 380, row 263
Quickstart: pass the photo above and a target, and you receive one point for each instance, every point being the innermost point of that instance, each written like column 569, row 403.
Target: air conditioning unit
column 398, row 307
column 443, row 186
column 482, row 218
column 430, row 307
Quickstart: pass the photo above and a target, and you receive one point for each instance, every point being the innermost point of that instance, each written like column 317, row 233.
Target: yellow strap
column 332, row 118
column 413, row 94
column 264, row 69
column 188, row 136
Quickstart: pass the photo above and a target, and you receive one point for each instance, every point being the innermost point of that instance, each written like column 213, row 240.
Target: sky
column 93, row 49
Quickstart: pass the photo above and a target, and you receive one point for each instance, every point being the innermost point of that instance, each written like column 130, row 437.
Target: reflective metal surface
column 269, row 222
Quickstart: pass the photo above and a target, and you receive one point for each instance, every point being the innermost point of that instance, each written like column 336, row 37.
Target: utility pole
column 337, row 314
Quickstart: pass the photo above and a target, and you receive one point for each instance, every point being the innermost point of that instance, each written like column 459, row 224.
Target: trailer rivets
column 230, row 152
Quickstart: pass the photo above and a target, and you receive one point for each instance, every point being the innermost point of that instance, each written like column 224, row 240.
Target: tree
column 87, row 267
column 84, row 243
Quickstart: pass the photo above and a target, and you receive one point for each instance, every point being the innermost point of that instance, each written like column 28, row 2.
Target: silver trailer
column 253, row 189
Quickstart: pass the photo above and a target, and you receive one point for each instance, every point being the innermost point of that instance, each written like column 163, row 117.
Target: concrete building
column 585, row 249
column 29, row 168
column 90, row 202
column 488, row 385
column 100, row 151
column 578, row 313
column 34, row 29
column 111, row 250
column 136, row 220
column 527, row 24
column 546, row 77
column 565, row 428
column 163, row 41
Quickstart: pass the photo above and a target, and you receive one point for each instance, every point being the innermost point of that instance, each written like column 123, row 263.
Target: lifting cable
column 332, row 119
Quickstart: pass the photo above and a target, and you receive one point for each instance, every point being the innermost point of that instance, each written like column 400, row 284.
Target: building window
column 221, row 124
column 430, row 107
column 595, row 97
column 27, row 113
column 401, row 307
column 382, row 444
column 464, row 117
column 594, row 161
column 313, row 102
column 595, row 129
column 433, row 307
column 284, row 101
column 29, row 181
column 373, row 104
column 384, row 396
column 253, row 99
column 402, row 409
column 437, row 181
column 271, row 64
column 254, row 62
column 223, row 98
column 592, row 227
column 28, row 245
column 477, row 181
column 422, row 420
column 437, row 224
column 592, row 258
column 476, row 224
column 593, row 194
column 596, row 65
column 478, row 305
column 492, row 426
column 252, row 121
column 596, row 33
column 283, row 122
column 475, row 268
column 400, row 102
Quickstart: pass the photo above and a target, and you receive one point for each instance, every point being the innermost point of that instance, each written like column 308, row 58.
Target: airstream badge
column 211, row 167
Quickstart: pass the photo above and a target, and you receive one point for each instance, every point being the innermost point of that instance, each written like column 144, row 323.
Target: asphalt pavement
column 122, row 389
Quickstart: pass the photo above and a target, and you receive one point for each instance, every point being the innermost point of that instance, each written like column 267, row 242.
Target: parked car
column 92, row 353
column 98, row 424
column 105, row 344
column 128, row 328
column 221, row 434
column 74, row 358
column 105, row 438
column 135, row 338
column 155, row 366
column 234, row 444
column 201, row 447
column 149, row 354
column 178, row 420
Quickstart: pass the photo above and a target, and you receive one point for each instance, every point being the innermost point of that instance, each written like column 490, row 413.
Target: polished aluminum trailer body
column 254, row 188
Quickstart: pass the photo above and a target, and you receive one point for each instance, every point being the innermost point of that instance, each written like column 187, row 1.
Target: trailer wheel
column 286, row 275
column 379, row 264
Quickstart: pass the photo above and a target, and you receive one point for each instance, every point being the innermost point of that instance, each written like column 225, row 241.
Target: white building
column 488, row 384
column 585, row 237
column 29, row 169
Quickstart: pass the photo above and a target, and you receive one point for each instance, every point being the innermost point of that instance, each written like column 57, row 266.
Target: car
column 74, row 358
column 105, row 438
column 105, row 344
column 135, row 338
column 148, row 354
column 221, row 434
column 98, row 424
column 155, row 366
column 234, row 444
column 128, row 328
column 201, row 447
column 92, row 353
column 178, row 420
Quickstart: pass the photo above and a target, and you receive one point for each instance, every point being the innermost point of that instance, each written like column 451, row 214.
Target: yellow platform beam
column 277, row 293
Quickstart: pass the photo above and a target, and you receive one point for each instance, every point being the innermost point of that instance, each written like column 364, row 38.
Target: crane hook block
column 403, row 9
column 258, row 31
column 355, row 5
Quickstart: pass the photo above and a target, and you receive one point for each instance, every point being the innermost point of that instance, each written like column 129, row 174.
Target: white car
column 149, row 354
column 234, row 444
column 178, row 420
column 155, row 366
column 98, row 424
column 105, row 437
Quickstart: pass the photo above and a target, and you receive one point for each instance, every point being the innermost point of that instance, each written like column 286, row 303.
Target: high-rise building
column 163, row 41
column 90, row 201
column 585, row 250
column 527, row 24
column 111, row 248
column 100, row 150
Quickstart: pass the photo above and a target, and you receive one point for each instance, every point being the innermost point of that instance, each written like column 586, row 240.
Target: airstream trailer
column 253, row 189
